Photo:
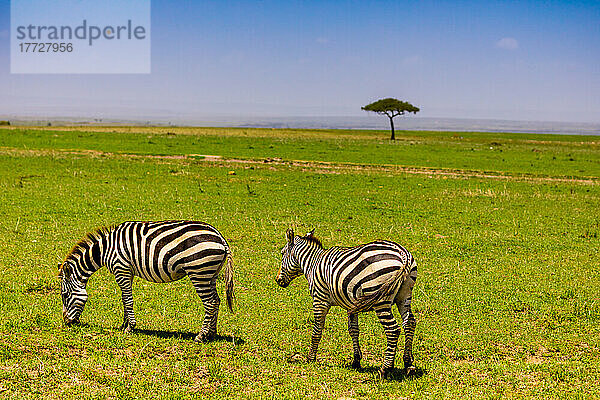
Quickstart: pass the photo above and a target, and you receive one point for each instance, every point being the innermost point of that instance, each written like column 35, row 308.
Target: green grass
column 577, row 156
column 507, row 300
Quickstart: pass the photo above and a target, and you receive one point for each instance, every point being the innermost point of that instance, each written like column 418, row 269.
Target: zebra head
column 290, row 267
column 73, row 293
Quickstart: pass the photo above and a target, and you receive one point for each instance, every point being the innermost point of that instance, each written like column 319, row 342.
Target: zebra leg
column 408, row 323
column 210, row 300
column 354, row 332
column 124, row 280
column 320, row 310
column 392, row 332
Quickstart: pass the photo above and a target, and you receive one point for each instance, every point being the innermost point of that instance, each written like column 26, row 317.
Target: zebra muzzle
column 281, row 282
column 68, row 321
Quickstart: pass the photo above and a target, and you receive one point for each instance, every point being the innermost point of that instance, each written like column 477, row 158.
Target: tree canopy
column 392, row 108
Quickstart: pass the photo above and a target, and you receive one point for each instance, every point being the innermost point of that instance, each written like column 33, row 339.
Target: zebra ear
column 290, row 235
column 65, row 271
column 311, row 233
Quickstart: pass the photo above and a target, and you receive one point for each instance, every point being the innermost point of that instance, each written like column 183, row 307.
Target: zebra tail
column 229, row 293
column 366, row 303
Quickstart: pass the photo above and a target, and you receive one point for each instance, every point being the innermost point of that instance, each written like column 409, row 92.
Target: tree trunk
column 392, row 125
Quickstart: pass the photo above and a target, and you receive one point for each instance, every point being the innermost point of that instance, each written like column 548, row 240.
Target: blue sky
column 525, row 60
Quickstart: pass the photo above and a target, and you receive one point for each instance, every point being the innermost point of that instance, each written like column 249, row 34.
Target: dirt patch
column 330, row 167
column 535, row 360
column 318, row 166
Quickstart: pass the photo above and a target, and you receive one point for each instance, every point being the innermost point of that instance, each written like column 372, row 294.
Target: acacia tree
column 392, row 108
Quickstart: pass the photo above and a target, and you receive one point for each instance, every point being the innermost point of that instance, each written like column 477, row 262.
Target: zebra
column 163, row 251
column 367, row 277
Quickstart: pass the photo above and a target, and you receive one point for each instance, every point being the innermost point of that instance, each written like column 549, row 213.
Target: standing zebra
column 156, row 251
column 371, row 276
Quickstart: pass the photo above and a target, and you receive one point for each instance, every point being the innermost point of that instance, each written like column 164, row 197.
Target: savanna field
column 504, row 228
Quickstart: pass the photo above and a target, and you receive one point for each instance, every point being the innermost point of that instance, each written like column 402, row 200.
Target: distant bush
column 4, row 122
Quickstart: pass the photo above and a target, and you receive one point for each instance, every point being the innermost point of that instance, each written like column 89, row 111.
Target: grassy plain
column 504, row 227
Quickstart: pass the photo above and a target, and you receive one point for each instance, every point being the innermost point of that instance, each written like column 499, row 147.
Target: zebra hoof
column 410, row 370
column 205, row 337
column 356, row 364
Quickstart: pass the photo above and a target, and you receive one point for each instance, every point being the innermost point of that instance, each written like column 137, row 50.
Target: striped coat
column 163, row 251
column 369, row 277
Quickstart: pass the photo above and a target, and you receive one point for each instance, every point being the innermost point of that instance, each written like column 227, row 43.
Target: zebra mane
column 87, row 241
column 312, row 239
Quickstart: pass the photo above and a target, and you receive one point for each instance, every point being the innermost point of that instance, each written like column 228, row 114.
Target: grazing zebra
column 156, row 251
column 371, row 276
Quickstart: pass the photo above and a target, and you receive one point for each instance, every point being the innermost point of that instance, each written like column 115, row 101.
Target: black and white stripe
column 157, row 252
column 369, row 277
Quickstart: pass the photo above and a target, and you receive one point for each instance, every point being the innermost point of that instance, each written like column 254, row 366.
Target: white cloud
column 507, row 43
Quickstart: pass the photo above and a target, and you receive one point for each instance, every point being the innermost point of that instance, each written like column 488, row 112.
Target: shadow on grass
column 186, row 335
column 397, row 375
column 163, row 334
